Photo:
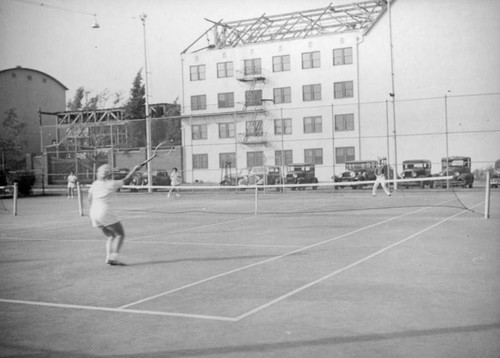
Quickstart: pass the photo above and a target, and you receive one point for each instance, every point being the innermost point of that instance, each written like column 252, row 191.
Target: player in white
column 101, row 213
column 381, row 174
column 72, row 179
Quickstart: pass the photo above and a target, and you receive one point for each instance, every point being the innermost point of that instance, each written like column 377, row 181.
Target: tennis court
column 313, row 273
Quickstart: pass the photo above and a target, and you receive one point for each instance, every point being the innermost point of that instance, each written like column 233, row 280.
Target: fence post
column 256, row 200
column 14, row 204
column 80, row 198
column 487, row 197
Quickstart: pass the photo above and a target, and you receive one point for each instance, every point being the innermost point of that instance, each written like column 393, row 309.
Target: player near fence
column 381, row 175
column 101, row 213
column 175, row 182
column 72, row 179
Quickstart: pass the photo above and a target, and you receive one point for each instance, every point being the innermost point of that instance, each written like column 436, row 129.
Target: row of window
column 281, row 157
column 282, row 126
column 280, row 95
column 341, row 56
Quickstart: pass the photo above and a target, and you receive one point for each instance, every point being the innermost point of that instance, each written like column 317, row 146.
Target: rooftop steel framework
column 359, row 16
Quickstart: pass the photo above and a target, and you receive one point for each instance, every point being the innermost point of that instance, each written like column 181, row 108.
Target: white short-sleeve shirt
column 103, row 193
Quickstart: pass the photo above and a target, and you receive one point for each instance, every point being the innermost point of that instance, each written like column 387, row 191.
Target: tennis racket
column 154, row 154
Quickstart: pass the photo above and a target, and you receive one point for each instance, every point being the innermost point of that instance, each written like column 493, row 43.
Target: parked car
column 459, row 168
column 359, row 171
column 261, row 175
column 161, row 177
column 140, row 180
column 417, row 168
column 495, row 175
column 121, row 173
column 301, row 173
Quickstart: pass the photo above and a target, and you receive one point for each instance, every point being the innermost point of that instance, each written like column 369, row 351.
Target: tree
column 76, row 103
column 136, row 109
column 12, row 141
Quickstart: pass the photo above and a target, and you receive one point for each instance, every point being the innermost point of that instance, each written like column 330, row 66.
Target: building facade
column 353, row 82
column 28, row 91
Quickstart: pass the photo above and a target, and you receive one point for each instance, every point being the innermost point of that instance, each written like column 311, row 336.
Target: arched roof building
column 27, row 91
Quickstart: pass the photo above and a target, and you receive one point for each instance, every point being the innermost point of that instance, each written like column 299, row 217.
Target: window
column 254, row 129
column 282, row 95
column 227, row 158
column 253, row 98
column 198, row 102
column 313, row 124
column 200, row 161
column 342, row 56
column 199, row 131
column 314, row 156
column 311, row 92
column 224, row 69
column 343, row 89
column 253, row 67
column 197, row 73
column 281, row 63
column 226, row 100
column 283, row 126
column 344, row 154
column 311, row 60
column 287, row 154
column 226, row 130
column 344, row 122
column 255, row 159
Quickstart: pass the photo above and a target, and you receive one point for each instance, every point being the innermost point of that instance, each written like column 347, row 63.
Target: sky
column 56, row 37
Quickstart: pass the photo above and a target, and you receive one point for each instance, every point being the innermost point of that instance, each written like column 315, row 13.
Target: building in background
column 27, row 91
column 357, row 81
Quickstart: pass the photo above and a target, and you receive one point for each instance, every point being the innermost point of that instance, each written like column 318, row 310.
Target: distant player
column 72, row 179
column 381, row 174
column 175, row 182
column 100, row 198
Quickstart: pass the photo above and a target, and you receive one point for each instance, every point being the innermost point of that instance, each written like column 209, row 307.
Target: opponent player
column 381, row 173
column 100, row 198
column 175, row 182
column 72, row 179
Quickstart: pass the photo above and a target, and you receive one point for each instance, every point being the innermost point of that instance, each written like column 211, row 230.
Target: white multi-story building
column 329, row 85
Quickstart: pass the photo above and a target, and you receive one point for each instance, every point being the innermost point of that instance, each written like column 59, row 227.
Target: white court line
column 118, row 310
column 223, row 318
column 273, row 258
column 345, row 268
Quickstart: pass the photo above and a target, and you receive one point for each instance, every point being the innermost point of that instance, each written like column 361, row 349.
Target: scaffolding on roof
column 359, row 16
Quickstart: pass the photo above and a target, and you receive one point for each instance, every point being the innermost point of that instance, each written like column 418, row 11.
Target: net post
column 14, row 200
column 487, row 197
column 256, row 200
column 80, row 198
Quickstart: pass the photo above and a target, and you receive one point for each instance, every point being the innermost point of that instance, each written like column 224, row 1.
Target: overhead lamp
column 96, row 24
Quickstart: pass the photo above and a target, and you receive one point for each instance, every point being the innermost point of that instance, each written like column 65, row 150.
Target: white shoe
column 177, row 195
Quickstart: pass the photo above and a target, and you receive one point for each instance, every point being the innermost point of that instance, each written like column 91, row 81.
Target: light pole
column 393, row 95
column 446, row 134
column 143, row 17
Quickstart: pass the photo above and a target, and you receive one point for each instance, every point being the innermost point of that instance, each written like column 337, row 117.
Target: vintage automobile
column 301, row 173
column 121, row 173
column 417, row 169
column 459, row 168
column 140, row 180
column 358, row 171
column 161, row 177
column 260, row 175
column 495, row 175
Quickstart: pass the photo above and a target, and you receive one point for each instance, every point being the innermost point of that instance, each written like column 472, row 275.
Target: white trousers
column 380, row 181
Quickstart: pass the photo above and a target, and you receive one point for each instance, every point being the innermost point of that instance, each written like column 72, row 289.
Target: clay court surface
column 320, row 273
